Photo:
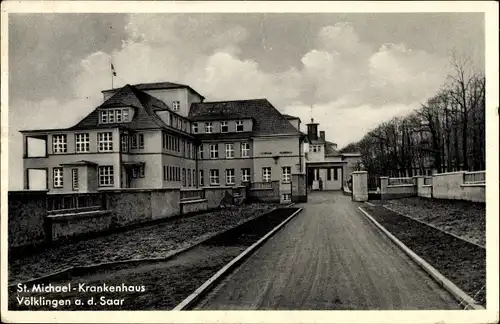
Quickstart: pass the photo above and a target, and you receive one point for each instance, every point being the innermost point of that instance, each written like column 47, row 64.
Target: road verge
column 453, row 289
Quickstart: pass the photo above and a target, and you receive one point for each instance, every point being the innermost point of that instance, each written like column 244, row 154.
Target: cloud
column 352, row 86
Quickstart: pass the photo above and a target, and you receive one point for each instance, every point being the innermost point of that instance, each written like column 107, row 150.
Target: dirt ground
column 152, row 241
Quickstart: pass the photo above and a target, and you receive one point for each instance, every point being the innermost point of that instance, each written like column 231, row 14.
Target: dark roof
column 161, row 85
column 330, row 151
column 267, row 119
column 290, row 117
column 81, row 162
column 144, row 104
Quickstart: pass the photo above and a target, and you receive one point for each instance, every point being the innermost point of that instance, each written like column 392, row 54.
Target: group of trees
column 445, row 134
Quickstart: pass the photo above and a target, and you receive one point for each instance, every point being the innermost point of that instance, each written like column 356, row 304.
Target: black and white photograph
column 174, row 157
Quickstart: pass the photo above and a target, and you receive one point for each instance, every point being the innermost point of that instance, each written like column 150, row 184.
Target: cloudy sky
column 356, row 70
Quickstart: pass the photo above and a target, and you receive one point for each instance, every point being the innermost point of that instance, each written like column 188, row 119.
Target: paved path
column 328, row 257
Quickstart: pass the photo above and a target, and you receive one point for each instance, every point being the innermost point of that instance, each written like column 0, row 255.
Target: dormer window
column 110, row 116
column 176, row 105
column 208, row 127
column 239, row 125
column 223, row 127
column 195, row 128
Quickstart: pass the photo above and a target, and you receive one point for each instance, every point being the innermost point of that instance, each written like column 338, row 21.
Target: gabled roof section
column 267, row 119
column 144, row 104
column 162, row 85
column 290, row 117
column 330, row 151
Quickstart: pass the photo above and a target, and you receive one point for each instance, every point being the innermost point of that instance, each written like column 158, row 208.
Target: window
column 137, row 140
column 124, row 143
column 229, row 176
column 245, row 149
column 214, row 151
column 134, row 141
column 104, row 116
column 105, row 142
column 176, row 105
column 223, row 127
column 286, row 174
column 329, row 174
column 239, row 126
column 214, row 177
column 229, row 151
column 188, row 152
column 164, row 172
column 195, row 128
column 125, row 115
column 335, row 174
column 82, row 142
column 179, row 123
column 134, row 172
column 194, row 177
column 118, row 116
column 183, row 179
column 58, row 177
column 140, row 140
column 208, row 127
column 245, row 175
column 59, row 144
column 74, row 177
column 106, row 177
column 201, row 151
column 142, row 171
column 200, row 178
column 110, row 116
column 266, row 174
column 287, row 197
column 189, row 177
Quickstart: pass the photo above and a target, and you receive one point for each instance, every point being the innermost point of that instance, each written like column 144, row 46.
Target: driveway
column 328, row 257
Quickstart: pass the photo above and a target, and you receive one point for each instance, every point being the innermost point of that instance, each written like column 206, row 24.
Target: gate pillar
column 360, row 186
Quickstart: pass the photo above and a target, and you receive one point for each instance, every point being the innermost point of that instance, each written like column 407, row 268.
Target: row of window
column 174, row 173
column 170, row 173
column 229, row 150
column 111, row 116
column 315, row 148
column 105, row 174
column 173, row 143
column 245, row 175
column 104, row 142
column 223, row 127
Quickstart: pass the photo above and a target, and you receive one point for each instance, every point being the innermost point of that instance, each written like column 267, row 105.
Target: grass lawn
column 152, row 241
column 460, row 261
column 462, row 218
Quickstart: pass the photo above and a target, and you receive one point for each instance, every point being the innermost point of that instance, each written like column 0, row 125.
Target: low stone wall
column 265, row 194
column 26, row 217
column 71, row 225
column 447, row 185
column 193, row 206
column 451, row 186
column 399, row 191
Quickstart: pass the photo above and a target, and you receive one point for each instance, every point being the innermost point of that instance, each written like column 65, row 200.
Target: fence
column 59, row 203
column 475, row 177
column 400, row 181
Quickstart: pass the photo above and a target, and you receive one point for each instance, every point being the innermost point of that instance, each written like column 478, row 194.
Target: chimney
column 322, row 135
